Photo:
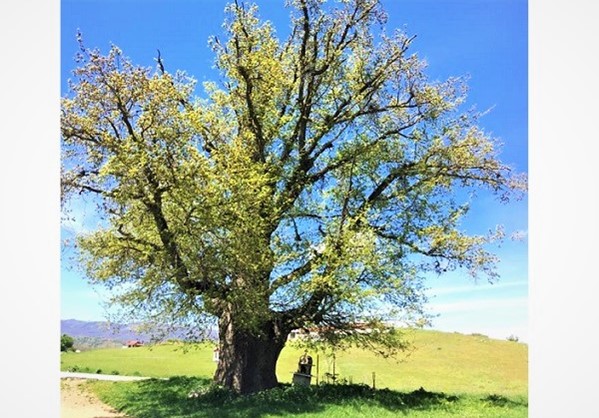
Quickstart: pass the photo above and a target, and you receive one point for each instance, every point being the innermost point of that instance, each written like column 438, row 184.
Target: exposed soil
column 76, row 401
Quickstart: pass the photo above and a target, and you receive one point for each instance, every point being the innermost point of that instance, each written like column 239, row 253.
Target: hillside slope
column 440, row 362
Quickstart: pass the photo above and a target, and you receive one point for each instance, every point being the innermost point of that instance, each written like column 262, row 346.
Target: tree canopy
column 313, row 185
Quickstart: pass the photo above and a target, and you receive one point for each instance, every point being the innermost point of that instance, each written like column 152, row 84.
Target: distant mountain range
column 99, row 329
column 113, row 332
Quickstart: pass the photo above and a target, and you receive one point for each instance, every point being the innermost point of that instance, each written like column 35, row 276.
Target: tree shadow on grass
column 502, row 401
column 171, row 399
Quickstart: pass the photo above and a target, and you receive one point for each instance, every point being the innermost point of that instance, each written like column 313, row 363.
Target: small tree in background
column 66, row 342
column 312, row 188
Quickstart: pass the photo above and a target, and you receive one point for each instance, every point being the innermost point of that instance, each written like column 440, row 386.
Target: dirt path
column 78, row 402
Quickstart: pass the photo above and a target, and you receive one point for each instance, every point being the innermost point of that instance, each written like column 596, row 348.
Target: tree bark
column 248, row 358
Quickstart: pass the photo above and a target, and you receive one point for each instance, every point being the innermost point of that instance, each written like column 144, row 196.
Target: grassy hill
column 446, row 375
column 440, row 362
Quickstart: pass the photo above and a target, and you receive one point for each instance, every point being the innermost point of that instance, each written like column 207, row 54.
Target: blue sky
column 485, row 40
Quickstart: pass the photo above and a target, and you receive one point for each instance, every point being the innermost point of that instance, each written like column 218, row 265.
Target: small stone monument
column 303, row 375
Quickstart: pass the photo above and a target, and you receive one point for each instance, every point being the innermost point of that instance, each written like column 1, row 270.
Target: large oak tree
column 313, row 185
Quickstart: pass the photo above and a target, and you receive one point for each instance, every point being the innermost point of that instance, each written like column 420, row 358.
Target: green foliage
column 66, row 342
column 81, row 369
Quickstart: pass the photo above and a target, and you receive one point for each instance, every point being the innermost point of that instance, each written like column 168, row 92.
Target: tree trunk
column 248, row 359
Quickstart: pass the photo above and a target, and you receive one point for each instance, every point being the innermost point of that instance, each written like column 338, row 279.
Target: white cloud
column 519, row 235
column 495, row 331
column 80, row 217
column 437, row 291
column 478, row 305
column 497, row 317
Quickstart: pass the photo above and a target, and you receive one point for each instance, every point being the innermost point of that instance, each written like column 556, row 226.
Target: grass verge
column 171, row 399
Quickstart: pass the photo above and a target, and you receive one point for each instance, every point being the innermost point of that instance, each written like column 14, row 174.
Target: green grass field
column 448, row 374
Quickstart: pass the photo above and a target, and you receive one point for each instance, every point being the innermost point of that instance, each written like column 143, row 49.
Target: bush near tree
column 66, row 342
